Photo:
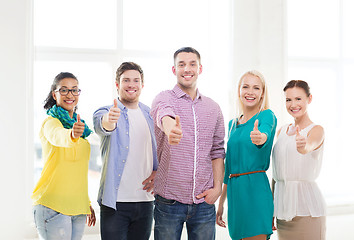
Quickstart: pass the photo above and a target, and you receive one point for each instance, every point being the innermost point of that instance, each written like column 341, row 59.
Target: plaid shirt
column 185, row 170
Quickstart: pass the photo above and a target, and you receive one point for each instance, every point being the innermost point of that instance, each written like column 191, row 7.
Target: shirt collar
column 124, row 108
column 179, row 92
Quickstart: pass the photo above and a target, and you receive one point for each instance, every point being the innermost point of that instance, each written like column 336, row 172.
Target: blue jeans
column 52, row 225
column 170, row 216
column 131, row 220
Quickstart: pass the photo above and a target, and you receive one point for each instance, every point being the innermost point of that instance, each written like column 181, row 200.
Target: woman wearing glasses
column 61, row 194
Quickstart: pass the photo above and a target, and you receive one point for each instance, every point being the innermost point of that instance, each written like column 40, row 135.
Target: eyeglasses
column 65, row 91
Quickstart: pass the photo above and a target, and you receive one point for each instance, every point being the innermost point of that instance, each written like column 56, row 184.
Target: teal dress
column 250, row 200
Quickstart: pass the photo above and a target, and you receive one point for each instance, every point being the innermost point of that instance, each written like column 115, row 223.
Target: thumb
column 78, row 118
column 255, row 125
column 178, row 121
column 203, row 194
column 297, row 130
column 115, row 103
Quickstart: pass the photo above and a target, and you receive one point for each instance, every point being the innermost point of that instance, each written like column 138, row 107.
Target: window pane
column 344, row 127
column 165, row 27
column 348, row 33
column 155, row 80
column 75, row 24
column 322, row 110
column 97, row 84
column 313, row 28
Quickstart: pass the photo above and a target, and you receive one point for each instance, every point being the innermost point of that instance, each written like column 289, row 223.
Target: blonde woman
column 299, row 206
column 251, row 134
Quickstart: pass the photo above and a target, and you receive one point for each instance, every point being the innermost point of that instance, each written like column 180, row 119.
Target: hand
column 91, row 218
column 78, row 128
column 219, row 220
column 110, row 119
column 257, row 137
column 114, row 113
column 211, row 195
column 274, row 228
column 300, row 141
column 149, row 183
column 175, row 134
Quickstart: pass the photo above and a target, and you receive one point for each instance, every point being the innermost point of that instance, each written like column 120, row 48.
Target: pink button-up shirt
column 185, row 170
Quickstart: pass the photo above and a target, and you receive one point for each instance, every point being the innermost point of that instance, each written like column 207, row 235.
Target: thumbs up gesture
column 175, row 135
column 78, row 128
column 172, row 128
column 257, row 137
column 110, row 119
column 300, row 141
column 114, row 112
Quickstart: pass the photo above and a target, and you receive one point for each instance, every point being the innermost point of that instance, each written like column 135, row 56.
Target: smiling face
column 297, row 101
column 187, row 69
column 251, row 91
column 129, row 87
column 69, row 101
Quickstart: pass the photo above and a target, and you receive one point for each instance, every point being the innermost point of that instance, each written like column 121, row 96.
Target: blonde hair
column 264, row 104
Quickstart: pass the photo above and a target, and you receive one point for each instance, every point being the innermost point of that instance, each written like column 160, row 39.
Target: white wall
column 16, row 140
column 260, row 44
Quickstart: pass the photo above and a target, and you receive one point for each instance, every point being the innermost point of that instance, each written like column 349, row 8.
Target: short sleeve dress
column 250, row 200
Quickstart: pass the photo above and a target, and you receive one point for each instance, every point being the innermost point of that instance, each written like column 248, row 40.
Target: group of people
column 167, row 163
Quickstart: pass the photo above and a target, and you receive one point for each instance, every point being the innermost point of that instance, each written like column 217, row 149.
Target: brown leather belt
column 235, row 175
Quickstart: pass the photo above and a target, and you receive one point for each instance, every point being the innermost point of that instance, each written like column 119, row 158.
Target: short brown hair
column 187, row 50
column 125, row 66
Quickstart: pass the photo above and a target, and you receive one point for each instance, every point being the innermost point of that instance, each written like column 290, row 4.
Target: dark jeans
column 170, row 216
column 131, row 221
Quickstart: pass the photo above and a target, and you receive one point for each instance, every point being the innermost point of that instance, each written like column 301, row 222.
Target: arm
column 258, row 138
column 273, row 186
column 212, row 194
column 149, row 183
column 57, row 135
column 163, row 114
column 217, row 154
column 265, row 128
column 100, row 117
column 220, row 211
column 91, row 218
column 161, row 107
column 110, row 119
column 78, row 128
column 313, row 141
column 172, row 129
column 218, row 173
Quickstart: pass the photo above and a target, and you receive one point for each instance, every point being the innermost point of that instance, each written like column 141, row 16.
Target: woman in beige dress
column 299, row 206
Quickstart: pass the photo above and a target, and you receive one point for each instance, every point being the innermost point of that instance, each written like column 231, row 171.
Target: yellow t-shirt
column 63, row 182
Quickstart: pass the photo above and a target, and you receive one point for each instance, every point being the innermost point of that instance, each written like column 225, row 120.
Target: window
column 321, row 52
column 91, row 38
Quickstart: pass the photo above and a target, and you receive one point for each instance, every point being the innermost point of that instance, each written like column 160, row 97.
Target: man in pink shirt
column 189, row 129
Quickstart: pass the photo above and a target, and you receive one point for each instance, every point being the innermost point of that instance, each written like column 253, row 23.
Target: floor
column 338, row 227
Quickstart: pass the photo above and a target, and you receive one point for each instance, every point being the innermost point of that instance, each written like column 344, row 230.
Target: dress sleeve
column 57, row 135
column 267, row 125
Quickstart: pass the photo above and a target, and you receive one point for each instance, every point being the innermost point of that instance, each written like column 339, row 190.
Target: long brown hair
column 49, row 102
